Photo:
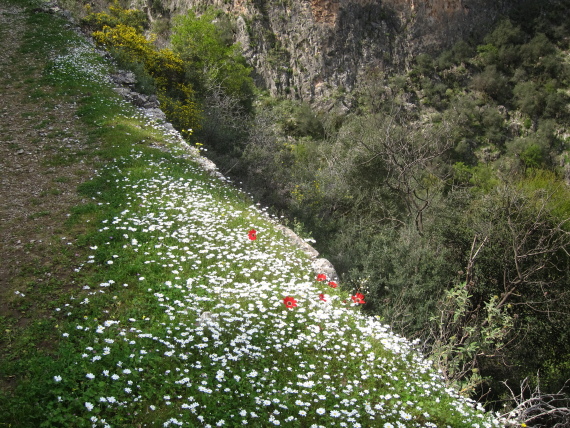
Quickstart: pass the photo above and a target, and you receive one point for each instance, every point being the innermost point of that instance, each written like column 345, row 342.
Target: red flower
column 322, row 297
column 290, row 302
column 321, row 277
column 333, row 284
column 358, row 298
column 252, row 234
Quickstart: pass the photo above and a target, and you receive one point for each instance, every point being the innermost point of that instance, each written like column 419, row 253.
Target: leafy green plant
column 177, row 96
column 117, row 15
column 462, row 333
column 210, row 56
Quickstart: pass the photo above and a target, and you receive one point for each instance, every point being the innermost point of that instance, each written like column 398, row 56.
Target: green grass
column 62, row 179
column 39, row 214
column 162, row 311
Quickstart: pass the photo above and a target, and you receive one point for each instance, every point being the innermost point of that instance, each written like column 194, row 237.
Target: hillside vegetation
column 166, row 297
column 441, row 192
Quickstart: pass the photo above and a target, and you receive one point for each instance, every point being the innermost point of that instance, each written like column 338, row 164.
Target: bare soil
column 42, row 161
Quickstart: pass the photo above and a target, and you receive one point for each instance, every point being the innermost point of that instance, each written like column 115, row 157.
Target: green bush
column 505, row 33
column 530, row 98
column 460, row 52
column 532, row 156
column 177, row 97
column 134, row 18
column 204, row 45
column 298, row 119
column 493, row 82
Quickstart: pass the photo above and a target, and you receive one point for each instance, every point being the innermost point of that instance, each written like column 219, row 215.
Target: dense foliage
column 202, row 72
column 444, row 193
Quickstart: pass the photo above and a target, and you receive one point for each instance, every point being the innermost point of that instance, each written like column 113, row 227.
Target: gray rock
column 326, row 267
column 242, row 35
column 124, row 92
column 124, row 78
column 138, row 99
column 319, row 265
column 299, row 242
column 155, row 113
column 208, row 166
column 152, row 102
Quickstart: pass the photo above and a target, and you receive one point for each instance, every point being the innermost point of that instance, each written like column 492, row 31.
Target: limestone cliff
column 318, row 49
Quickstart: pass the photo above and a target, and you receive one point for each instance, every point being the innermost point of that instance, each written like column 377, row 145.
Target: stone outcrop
column 125, row 82
column 319, row 265
column 317, row 50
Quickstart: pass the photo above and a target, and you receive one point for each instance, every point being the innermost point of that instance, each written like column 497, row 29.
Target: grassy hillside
column 165, row 297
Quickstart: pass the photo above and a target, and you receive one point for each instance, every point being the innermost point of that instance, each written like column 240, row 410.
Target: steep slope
column 320, row 48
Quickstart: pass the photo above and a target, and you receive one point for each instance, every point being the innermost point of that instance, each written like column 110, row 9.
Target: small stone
column 326, row 267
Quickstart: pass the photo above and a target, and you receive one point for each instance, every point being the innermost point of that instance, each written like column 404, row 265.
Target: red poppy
column 322, row 297
column 321, row 277
column 290, row 302
column 333, row 284
column 252, row 234
column 358, row 298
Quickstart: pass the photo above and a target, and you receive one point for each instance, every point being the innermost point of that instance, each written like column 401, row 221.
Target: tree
column 523, row 262
column 211, row 58
column 538, row 409
column 492, row 82
column 405, row 157
column 463, row 332
column 530, row 98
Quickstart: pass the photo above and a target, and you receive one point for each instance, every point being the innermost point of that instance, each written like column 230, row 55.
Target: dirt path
column 40, row 139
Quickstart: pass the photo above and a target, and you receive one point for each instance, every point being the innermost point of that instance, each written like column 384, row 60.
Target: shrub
column 492, row 82
column 209, row 55
column 506, row 33
column 134, row 18
column 538, row 48
column 298, row 119
column 532, row 156
column 530, row 98
column 460, row 52
column 177, row 97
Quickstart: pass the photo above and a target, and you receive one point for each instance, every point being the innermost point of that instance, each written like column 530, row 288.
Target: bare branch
column 536, row 409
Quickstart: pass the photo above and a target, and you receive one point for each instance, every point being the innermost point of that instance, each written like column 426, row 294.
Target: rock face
column 319, row 49
column 126, row 81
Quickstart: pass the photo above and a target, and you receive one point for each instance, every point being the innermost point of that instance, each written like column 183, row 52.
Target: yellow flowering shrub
column 117, row 15
column 184, row 113
column 135, row 45
column 177, row 97
column 166, row 66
